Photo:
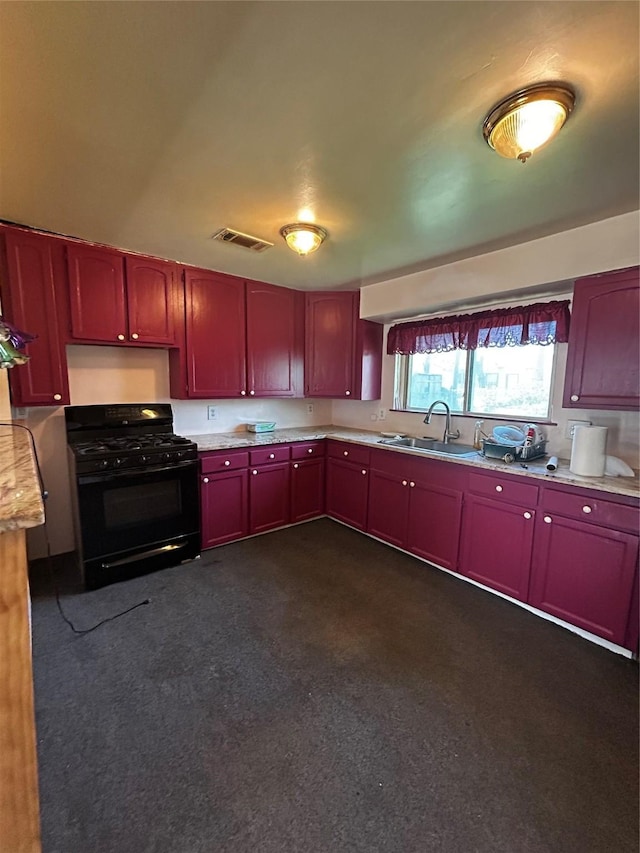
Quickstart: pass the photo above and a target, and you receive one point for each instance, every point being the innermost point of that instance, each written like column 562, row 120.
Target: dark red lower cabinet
column 223, row 500
column 268, row 497
column 307, row 489
column 347, row 492
column 584, row 574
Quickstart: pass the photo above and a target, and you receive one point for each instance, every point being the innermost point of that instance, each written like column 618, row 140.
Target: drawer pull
column 272, row 456
column 227, row 463
column 405, row 483
column 254, row 472
column 364, row 470
column 547, row 519
column 586, row 509
column 498, row 488
column 527, row 514
column 295, row 464
column 310, row 450
column 205, row 479
column 345, row 452
column 412, row 484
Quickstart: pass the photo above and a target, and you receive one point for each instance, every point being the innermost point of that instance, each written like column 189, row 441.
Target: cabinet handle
column 251, row 393
column 411, row 484
column 243, row 393
column 272, row 456
column 586, row 509
column 498, row 488
column 226, row 463
column 345, row 452
column 527, row 514
column 135, row 336
column 364, row 470
column 254, row 472
column 205, row 479
column 574, row 398
column 347, row 393
column 404, row 483
column 57, row 396
column 295, row 464
column 547, row 519
column 310, row 450
column 120, row 337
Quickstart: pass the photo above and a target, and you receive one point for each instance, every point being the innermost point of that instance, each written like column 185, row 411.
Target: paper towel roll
column 588, row 451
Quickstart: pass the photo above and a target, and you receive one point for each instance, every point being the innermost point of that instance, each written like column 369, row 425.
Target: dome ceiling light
column 527, row 119
column 303, row 237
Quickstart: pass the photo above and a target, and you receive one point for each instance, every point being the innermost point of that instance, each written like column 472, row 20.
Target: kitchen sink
column 432, row 445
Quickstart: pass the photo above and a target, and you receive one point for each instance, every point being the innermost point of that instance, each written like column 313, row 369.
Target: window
column 515, row 381
column 492, row 363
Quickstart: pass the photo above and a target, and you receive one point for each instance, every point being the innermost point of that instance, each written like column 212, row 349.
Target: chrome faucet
column 447, row 424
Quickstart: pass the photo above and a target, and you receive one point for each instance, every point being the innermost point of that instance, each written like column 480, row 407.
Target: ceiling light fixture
column 526, row 120
column 303, row 237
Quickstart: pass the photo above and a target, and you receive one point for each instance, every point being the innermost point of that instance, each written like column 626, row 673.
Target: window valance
column 541, row 323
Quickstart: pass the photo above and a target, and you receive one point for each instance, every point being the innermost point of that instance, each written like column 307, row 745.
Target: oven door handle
column 108, row 476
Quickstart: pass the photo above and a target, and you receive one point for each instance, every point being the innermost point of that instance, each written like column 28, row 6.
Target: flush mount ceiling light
column 526, row 120
column 303, row 237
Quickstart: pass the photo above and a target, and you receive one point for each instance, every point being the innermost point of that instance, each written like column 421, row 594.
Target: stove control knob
column 144, row 459
column 117, row 462
column 166, row 457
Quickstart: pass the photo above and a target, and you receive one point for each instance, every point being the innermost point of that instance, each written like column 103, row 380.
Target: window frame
column 401, row 389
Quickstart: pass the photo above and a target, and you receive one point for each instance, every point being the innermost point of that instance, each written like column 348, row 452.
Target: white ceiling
column 150, row 125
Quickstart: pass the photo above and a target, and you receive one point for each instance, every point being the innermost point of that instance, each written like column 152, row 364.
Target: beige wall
column 121, row 375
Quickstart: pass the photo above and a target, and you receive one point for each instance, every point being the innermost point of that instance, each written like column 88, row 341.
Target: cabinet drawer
column 272, row 453
column 307, row 449
column 222, row 461
column 594, row 510
column 349, row 452
column 503, row 488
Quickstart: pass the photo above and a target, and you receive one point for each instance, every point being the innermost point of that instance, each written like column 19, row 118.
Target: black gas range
column 136, row 498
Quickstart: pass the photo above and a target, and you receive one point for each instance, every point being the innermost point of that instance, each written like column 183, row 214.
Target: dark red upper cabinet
column 119, row 299
column 33, row 279
column 215, row 342
column 343, row 354
column 150, row 299
column 275, row 336
column 97, row 294
column 603, row 359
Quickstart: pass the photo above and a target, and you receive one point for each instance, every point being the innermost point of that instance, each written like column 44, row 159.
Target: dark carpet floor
column 313, row 690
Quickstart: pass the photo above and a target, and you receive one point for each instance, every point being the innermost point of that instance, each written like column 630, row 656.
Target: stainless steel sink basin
column 432, row 445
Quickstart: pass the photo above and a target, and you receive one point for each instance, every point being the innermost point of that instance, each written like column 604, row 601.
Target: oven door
column 121, row 511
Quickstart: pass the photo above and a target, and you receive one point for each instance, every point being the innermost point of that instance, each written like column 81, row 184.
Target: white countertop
column 629, row 486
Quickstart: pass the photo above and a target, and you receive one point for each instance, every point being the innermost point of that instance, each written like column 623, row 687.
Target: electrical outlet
column 382, row 414
column 212, row 413
column 309, row 408
column 568, row 432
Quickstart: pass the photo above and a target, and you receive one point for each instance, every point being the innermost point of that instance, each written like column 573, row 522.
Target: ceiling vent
column 246, row 241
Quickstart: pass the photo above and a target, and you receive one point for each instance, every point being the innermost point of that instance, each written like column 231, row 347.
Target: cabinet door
column 388, row 507
column 347, row 492
column 268, row 497
column 434, row 523
column 330, row 344
column 584, row 574
column 603, row 359
column 32, row 266
column 307, row 489
column 224, row 507
column 496, row 545
column 97, row 294
column 274, row 341
column 150, row 299
column 215, row 335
